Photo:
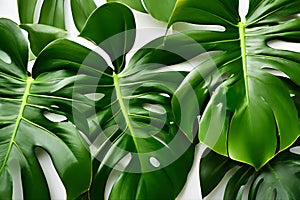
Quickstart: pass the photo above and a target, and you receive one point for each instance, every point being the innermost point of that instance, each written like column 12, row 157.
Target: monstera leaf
column 279, row 179
column 135, row 4
column 51, row 19
column 160, row 10
column 26, row 102
column 52, row 12
column 133, row 132
column 246, row 111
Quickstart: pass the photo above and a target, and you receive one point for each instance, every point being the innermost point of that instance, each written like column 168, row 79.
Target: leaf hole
column 160, row 140
column 5, row 57
column 274, row 72
column 54, row 117
column 155, row 108
column 54, row 106
column 283, row 45
column 154, row 162
column 95, row 96
column 55, row 185
column 180, row 26
column 165, row 95
column 292, row 95
column 295, row 150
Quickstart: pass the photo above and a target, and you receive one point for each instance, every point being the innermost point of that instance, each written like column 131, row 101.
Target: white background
column 8, row 9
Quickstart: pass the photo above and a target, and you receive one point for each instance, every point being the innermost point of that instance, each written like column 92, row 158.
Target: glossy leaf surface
column 41, row 35
column 247, row 112
column 212, row 169
column 135, row 4
column 133, row 132
column 47, row 23
column 52, row 12
column 279, row 179
column 81, row 10
column 114, row 33
column 26, row 102
column 160, row 10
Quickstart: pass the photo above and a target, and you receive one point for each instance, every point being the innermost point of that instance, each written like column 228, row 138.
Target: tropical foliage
column 120, row 128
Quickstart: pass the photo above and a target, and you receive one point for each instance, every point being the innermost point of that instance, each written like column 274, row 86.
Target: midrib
column 124, row 109
column 242, row 34
column 18, row 121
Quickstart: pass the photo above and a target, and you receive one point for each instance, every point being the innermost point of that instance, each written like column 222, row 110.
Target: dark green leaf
column 41, row 35
column 135, row 4
column 26, row 10
column 126, row 126
column 217, row 12
column 133, row 120
column 279, row 179
column 213, row 168
column 50, row 22
column 161, row 10
column 115, row 33
column 246, row 111
column 24, row 102
column 237, row 183
column 81, row 10
column 53, row 13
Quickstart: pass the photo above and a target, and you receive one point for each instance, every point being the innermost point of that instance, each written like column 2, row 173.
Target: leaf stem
column 124, row 109
column 242, row 32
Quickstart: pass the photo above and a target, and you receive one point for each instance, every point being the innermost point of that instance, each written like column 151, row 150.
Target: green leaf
column 135, row 4
column 133, row 122
column 213, row 168
column 246, row 110
column 53, row 12
column 160, row 10
column 26, row 10
column 24, row 103
column 124, row 125
column 50, row 22
column 41, row 35
column 237, row 183
column 279, row 179
column 120, row 27
column 81, row 10
column 215, row 12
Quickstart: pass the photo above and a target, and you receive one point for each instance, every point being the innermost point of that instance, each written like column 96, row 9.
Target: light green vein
column 124, row 109
column 242, row 32
column 18, row 121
